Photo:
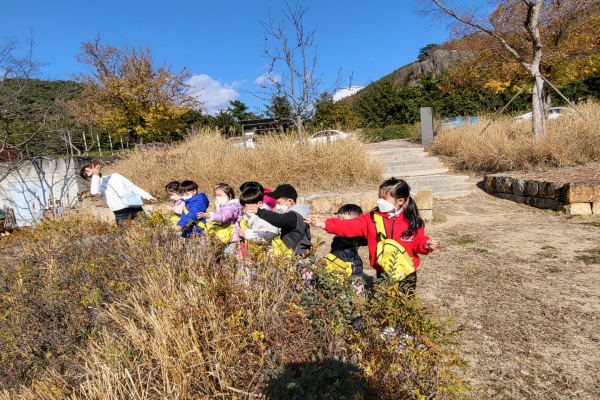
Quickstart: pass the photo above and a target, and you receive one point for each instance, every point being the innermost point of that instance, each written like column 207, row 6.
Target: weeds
column 506, row 146
column 92, row 311
column 595, row 224
column 462, row 240
column 207, row 159
column 592, row 256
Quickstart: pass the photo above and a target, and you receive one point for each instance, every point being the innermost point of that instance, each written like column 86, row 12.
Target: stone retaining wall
column 581, row 197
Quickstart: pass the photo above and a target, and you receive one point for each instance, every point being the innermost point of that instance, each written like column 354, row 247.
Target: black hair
column 251, row 196
column 254, row 185
column 84, row 174
column 350, row 209
column 188, row 186
column 227, row 189
column 172, row 187
column 399, row 189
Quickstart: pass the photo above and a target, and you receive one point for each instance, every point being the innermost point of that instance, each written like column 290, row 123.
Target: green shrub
column 404, row 131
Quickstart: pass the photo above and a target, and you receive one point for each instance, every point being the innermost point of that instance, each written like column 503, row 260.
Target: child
column 290, row 218
column 228, row 209
column 346, row 249
column 402, row 223
column 172, row 190
column 268, row 200
column 258, row 230
column 194, row 203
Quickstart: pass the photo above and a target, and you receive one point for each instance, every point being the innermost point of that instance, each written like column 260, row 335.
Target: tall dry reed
column 208, row 159
column 506, row 145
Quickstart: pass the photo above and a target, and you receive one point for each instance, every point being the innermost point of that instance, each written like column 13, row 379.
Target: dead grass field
column 529, row 308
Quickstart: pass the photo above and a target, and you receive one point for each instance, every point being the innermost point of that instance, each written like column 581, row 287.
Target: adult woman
column 112, row 188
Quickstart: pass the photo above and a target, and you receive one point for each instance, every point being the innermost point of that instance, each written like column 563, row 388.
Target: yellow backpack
column 222, row 231
column 280, row 249
column 391, row 255
column 334, row 263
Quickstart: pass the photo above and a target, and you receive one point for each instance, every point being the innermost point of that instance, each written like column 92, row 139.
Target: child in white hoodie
column 258, row 230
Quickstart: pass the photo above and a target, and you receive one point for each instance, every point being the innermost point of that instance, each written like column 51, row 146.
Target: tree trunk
column 300, row 133
column 537, row 113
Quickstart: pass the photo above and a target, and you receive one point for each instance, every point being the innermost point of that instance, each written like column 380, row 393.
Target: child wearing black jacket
column 346, row 249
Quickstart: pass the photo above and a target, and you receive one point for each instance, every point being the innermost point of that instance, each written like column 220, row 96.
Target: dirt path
column 530, row 309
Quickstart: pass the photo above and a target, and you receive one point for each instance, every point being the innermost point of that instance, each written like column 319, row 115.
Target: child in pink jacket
column 227, row 209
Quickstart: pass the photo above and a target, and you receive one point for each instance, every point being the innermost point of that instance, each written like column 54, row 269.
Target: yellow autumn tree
column 127, row 93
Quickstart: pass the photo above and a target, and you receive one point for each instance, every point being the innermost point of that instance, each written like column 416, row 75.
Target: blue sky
column 222, row 41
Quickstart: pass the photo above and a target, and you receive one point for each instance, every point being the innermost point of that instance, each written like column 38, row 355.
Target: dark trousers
column 407, row 285
column 124, row 214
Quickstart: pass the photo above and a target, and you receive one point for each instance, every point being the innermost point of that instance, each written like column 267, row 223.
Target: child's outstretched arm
column 423, row 244
column 345, row 228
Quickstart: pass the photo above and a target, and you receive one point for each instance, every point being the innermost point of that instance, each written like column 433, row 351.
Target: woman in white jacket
column 112, row 187
column 258, row 230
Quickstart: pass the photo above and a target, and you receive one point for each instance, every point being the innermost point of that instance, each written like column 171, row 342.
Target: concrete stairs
column 402, row 159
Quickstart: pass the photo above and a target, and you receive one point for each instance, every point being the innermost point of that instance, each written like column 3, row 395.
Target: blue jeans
column 124, row 214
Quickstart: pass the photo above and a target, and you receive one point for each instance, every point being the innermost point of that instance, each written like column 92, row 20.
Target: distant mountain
column 436, row 62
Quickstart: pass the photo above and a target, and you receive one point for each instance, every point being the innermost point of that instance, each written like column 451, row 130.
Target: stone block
column 427, row 215
column 596, row 208
column 490, row 182
column 578, row 208
column 504, row 183
column 424, row 199
column 512, row 197
column 581, row 192
column 518, row 186
column 531, row 188
column 543, row 203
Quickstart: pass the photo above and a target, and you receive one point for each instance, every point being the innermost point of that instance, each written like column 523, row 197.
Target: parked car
column 455, row 122
column 240, row 141
column 326, row 137
column 554, row 112
column 160, row 147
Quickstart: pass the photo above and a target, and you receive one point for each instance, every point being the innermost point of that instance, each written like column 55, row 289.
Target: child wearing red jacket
column 402, row 223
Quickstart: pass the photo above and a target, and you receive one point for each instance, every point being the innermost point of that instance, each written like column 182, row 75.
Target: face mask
column 385, row 206
column 281, row 209
column 221, row 200
column 187, row 197
column 248, row 215
column 175, row 197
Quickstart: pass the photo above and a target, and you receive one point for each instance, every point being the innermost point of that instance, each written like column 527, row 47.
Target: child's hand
column 316, row 222
column 432, row 244
column 96, row 169
column 153, row 200
column 242, row 232
column 203, row 215
column 253, row 208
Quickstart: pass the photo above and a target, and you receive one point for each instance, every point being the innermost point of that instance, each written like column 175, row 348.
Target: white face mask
column 175, row 197
column 187, row 197
column 385, row 206
column 221, row 200
column 281, row 209
column 248, row 215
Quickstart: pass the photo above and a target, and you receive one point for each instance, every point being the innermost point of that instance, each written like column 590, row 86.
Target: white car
column 240, row 141
column 554, row 112
column 326, row 137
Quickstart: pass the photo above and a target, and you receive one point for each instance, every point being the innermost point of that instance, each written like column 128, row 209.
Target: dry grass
column 506, row 146
column 188, row 326
column 207, row 159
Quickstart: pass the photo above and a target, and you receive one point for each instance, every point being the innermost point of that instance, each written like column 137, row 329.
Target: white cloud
column 213, row 93
column 266, row 79
column 345, row 92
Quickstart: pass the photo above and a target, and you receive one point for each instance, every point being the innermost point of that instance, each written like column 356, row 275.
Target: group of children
column 274, row 218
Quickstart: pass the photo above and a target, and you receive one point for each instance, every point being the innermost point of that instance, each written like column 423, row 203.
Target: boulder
column 490, row 182
column 504, row 183
column 596, row 208
column 543, row 203
column 531, row 188
column 581, row 192
column 512, row 197
column 578, row 208
column 518, row 186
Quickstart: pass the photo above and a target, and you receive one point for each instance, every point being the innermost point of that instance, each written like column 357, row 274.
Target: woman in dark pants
column 112, row 187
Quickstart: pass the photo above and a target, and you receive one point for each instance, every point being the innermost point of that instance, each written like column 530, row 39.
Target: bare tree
column 26, row 131
column 292, row 66
column 530, row 19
